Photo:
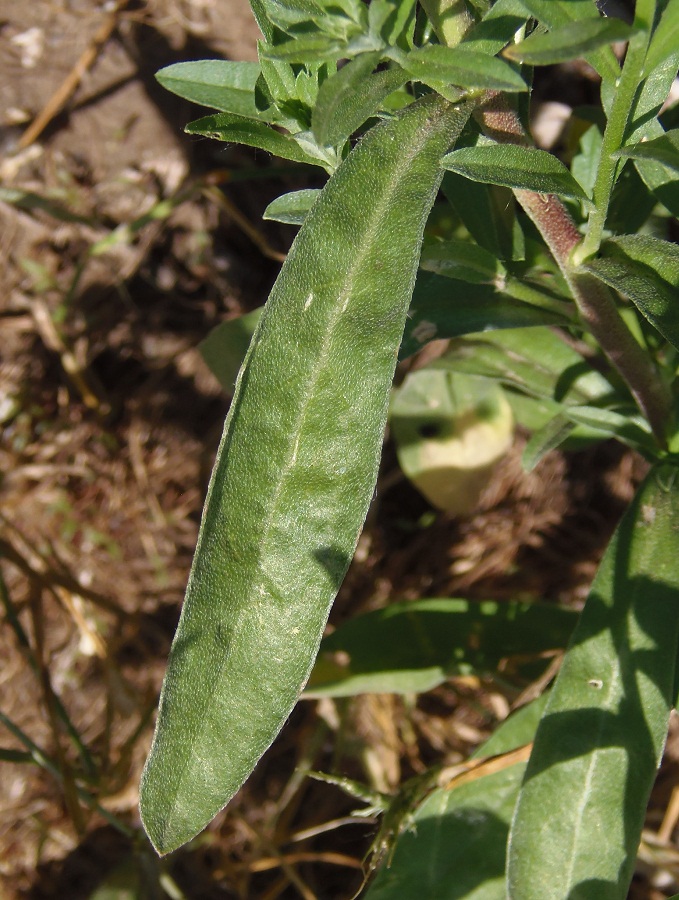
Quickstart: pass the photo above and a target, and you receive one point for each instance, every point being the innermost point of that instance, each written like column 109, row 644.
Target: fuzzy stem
column 593, row 299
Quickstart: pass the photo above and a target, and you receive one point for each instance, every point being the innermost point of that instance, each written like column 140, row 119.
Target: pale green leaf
column 292, row 208
column 239, row 130
column 225, row 347
column 217, row 83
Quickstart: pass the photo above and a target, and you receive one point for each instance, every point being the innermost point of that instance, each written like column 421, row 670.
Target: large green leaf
column 645, row 269
column 415, row 645
column 524, row 168
column 582, row 805
column 295, row 473
column 217, row 83
column 568, row 42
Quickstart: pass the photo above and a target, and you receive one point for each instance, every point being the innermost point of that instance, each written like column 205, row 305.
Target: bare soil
column 110, row 424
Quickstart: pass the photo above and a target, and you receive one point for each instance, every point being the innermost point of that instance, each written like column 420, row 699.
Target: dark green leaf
column 559, row 13
column 415, row 645
column 225, row 347
column 295, row 472
column 291, row 208
column 601, row 737
column 351, row 96
column 646, row 270
column 462, row 67
column 568, row 42
column 456, row 846
column 239, row 130
column 664, row 150
column 515, row 167
column 445, row 308
column 461, row 260
column 487, row 212
column 217, row 83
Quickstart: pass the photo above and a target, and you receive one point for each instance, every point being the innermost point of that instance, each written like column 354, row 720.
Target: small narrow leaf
column 217, row 83
column 601, row 737
column 645, row 269
column 462, row 67
column 515, row 167
column 665, row 40
column 497, row 28
column 568, row 42
column 239, row 130
column 664, row 150
column 560, row 13
column 309, row 50
column 292, row 208
column 351, row 96
column 225, row 347
column 546, row 439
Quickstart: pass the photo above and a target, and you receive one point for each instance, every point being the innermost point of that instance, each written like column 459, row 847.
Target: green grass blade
column 581, row 808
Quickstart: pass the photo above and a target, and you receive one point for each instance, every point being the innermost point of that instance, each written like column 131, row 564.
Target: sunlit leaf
column 568, row 42
column 525, row 168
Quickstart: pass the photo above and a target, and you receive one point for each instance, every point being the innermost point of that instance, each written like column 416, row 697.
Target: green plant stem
column 614, row 136
column 594, row 300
